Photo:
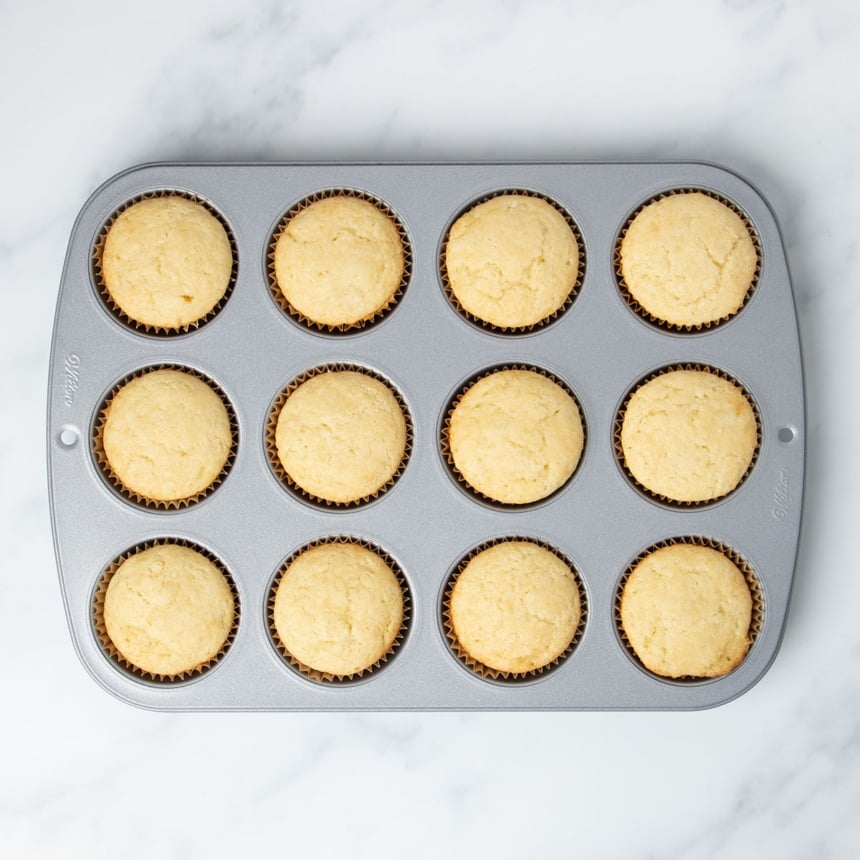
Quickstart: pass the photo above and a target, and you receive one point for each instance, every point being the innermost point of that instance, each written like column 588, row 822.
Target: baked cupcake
column 686, row 611
column 688, row 435
column 341, row 436
column 688, row 259
column 166, row 262
column 165, row 437
column 513, row 608
column 166, row 611
column 338, row 261
column 338, row 610
column 512, row 261
column 514, row 436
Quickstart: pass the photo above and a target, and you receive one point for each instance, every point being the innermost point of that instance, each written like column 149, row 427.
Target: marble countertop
column 761, row 86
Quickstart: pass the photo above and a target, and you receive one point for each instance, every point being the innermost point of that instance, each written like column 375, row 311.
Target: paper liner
column 445, row 446
column 487, row 672
column 659, row 497
column 111, row 651
column 344, row 328
column 328, row 677
column 272, row 449
column 752, row 580
column 658, row 321
column 514, row 330
column 97, row 437
column 116, row 311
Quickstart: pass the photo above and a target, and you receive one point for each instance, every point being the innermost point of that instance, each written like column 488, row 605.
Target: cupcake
column 165, row 437
column 514, row 436
column 338, row 610
column 513, row 608
column 341, row 436
column 166, row 611
column 686, row 611
column 688, row 260
column 512, row 261
column 688, row 435
column 338, row 261
column 166, row 262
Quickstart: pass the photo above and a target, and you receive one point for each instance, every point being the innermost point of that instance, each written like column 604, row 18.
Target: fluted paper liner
column 445, row 445
column 113, row 653
column 113, row 479
column 658, row 321
column 752, row 580
column 487, row 672
column 328, row 677
column 116, row 311
column 619, row 423
column 344, row 328
column 575, row 287
column 272, row 449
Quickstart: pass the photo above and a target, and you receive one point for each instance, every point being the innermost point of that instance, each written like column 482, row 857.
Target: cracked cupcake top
column 338, row 608
column 166, row 262
column 339, row 260
column 688, row 259
column 515, row 607
column 515, row 436
column 689, row 435
column 686, row 611
column 512, row 261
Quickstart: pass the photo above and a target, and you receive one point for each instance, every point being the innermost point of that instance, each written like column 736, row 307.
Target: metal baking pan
column 251, row 349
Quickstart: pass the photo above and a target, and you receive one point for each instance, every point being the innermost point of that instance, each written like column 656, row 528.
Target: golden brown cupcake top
column 512, row 260
column 338, row 608
column 339, row 261
column 168, row 609
column 515, row 436
column 688, row 259
column 166, row 262
column 341, row 435
column 689, row 435
column 686, row 611
column 515, row 607
column 167, row 435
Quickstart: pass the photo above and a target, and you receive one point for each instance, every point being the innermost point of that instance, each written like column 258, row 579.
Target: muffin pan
column 425, row 522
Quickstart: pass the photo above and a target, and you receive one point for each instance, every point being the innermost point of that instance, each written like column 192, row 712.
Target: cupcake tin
column 598, row 347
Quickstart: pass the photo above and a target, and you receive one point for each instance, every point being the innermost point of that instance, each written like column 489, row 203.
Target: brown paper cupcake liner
column 658, row 321
column 116, row 311
column 114, row 481
column 514, row 330
column 445, row 445
column 659, row 497
column 272, row 449
column 487, row 672
column 112, row 652
column 752, row 580
column 329, row 677
column 345, row 328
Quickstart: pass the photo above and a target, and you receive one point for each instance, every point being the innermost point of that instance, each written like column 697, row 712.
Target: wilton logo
column 781, row 495
column 71, row 377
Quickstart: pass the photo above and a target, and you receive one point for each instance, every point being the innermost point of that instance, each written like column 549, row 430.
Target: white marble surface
column 760, row 85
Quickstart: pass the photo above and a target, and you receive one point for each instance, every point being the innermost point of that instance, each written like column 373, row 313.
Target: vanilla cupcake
column 166, row 611
column 686, row 611
column 688, row 435
column 512, row 261
column 165, row 437
column 513, row 608
column 338, row 261
column 166, row 262
column 340, row 436
column 337, row 610
column 514, row 436
column 688, row 259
